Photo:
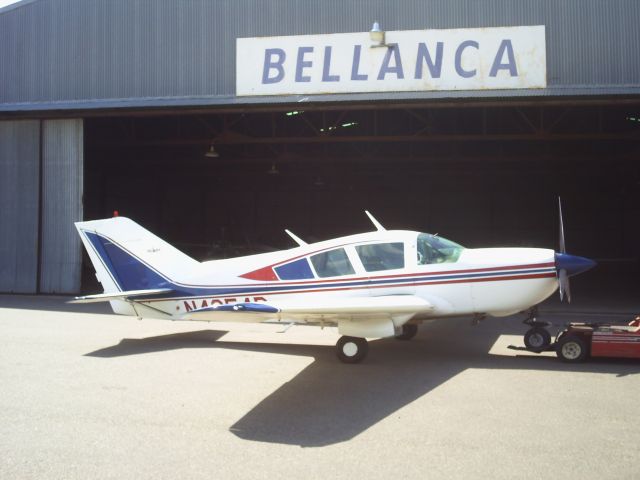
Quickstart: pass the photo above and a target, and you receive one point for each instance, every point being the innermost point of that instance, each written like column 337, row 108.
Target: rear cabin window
column 298, row 270
column 381, row 256
column 332, row 263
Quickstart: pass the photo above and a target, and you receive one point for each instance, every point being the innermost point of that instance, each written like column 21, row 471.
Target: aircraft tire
column 409, row 330
column 352, row 349
column 572, row 349
column 537, row 338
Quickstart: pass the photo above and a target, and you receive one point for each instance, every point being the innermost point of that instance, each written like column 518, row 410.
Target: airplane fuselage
column 494, row 281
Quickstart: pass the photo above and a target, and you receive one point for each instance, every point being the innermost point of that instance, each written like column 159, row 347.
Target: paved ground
column 85, row 394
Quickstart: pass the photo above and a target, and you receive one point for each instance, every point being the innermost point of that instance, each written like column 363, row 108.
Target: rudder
column 128, row 257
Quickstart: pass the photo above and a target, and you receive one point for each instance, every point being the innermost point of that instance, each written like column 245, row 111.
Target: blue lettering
column 435, row 68
column 461, row 71
column 270, row 64
column 511, row 61
column 326, row 76
column 301, row 64
column 386, row 68
column 356, row 64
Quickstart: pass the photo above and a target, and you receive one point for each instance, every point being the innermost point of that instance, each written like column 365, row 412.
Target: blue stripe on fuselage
column 266, row 289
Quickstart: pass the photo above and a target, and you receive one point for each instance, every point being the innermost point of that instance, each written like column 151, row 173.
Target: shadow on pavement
column 160, row 343
column 52, row 303
column 329, row 402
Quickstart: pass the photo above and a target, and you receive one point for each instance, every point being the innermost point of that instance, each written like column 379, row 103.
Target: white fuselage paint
column 494, row 281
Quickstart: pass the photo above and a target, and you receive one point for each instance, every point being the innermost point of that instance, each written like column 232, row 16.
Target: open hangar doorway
column 218, row 184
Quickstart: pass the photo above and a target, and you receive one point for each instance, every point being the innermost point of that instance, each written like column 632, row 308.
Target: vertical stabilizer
column 128, row 257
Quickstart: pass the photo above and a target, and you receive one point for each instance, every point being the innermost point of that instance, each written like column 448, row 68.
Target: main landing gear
column 352, row 349
column 355, row 349
column 409, row 330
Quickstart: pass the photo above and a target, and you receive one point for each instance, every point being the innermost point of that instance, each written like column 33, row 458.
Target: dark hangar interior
column 480, row 173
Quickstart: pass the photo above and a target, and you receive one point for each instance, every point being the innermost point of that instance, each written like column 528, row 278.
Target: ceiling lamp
column 273, row 170
column 211, row 153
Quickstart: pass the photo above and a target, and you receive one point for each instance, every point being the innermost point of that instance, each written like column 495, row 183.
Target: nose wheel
column 352, row 349
column 537, row 338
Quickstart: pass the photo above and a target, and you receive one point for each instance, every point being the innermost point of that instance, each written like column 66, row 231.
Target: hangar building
column 462, row 117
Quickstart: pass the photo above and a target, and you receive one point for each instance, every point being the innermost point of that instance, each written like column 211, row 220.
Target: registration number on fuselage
column 197, row 303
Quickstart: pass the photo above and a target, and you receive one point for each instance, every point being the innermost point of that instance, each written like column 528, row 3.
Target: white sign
column 412, row 60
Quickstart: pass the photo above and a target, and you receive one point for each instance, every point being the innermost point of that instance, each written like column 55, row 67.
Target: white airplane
column 378, row 284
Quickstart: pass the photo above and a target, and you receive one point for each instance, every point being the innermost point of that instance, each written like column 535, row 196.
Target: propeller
column 568, row 265
column 563, row 248
column 563, row 277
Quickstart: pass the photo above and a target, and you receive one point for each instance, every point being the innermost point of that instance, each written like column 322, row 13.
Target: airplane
column 378, row 284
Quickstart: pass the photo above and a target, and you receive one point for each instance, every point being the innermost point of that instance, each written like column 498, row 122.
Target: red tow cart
column 580, row 340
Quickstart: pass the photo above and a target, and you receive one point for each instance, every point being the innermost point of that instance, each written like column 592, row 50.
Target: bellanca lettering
column 308, row 64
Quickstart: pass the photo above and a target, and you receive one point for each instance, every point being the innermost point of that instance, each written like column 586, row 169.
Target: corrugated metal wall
column 19, row 166
column 62, row 180
column 92, row 50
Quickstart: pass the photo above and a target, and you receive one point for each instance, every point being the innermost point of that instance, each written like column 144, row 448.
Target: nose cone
column 573, row 264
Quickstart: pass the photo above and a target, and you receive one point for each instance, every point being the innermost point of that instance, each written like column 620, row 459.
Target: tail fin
column 128, row 257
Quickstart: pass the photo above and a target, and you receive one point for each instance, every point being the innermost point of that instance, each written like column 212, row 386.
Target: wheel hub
column 571, row 350
column 536, row 340
column 350, row 349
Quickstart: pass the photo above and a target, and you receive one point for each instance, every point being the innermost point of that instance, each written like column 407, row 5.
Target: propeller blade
column 562, row 245
column 563, row 279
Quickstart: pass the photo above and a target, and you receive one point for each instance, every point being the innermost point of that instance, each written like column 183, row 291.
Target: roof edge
column 379, row 97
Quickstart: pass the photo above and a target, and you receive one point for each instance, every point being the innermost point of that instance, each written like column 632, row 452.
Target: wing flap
column 127, row 295
column 390, row 304
column 327, row 309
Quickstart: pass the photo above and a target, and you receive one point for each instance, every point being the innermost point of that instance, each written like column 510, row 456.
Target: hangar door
column 41, row 182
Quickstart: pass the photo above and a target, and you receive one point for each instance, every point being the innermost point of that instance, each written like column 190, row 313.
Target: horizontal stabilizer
column 128, row 295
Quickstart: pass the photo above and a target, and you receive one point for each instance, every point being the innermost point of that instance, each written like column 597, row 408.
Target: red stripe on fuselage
column 408, row 275
column 443, row 282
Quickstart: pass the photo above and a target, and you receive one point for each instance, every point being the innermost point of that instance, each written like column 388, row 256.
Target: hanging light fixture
column 211, row 153
column 273, row 170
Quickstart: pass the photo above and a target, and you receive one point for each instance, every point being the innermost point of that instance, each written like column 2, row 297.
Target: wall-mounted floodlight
column 211, row 153
column 377, row 36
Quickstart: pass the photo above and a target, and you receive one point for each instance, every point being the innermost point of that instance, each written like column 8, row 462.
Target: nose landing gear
column 537, row 338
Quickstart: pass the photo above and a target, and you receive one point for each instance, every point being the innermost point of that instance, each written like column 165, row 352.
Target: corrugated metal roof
column 78, row 54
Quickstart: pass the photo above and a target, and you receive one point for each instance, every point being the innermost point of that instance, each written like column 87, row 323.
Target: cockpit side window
column 381, row 256
column 332, row 263
column 434, row 249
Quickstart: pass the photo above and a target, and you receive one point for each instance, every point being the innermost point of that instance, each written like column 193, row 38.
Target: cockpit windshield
column 434, row 249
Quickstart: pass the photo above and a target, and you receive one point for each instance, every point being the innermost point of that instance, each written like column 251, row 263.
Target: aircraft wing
column 127, row 295
column 326, row 310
